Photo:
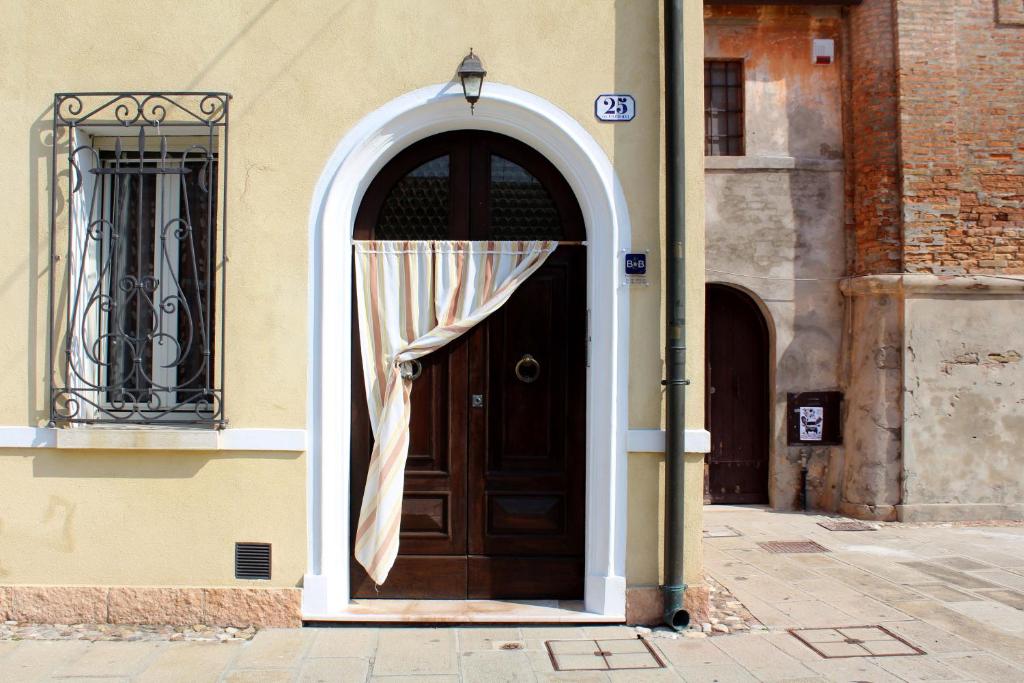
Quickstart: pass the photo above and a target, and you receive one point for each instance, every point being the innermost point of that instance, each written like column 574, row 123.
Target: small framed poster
column 814, row 418
column 615, row 107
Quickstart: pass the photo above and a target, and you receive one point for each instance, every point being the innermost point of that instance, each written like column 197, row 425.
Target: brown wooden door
column 737, row 406
column 494, row 487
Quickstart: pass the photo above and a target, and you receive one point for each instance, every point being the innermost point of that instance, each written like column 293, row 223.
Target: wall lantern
column 472, row 73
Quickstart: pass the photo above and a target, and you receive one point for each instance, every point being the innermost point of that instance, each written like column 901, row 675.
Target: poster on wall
column 812, row 420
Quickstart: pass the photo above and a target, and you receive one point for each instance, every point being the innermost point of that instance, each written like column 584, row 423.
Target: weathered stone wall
column 964, row 405
column 774, row 218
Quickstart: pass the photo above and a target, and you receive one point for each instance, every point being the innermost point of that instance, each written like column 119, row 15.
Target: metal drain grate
column 252, row 561
column 846, row 525
column 793, row 547
column 841, row 642
column 603, row 655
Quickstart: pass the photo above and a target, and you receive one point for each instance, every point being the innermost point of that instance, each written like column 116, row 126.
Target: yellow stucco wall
column 301, row 75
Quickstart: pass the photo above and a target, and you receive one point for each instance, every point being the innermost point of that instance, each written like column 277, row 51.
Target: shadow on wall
column 40, row 149
column 128, row 465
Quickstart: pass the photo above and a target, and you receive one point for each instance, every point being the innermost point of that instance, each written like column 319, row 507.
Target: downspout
column 675, row 383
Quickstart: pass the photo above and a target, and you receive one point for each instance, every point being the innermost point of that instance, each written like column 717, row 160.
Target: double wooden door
column 494, row 483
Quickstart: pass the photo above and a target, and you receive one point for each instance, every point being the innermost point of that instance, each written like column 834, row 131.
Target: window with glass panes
column 723, row 108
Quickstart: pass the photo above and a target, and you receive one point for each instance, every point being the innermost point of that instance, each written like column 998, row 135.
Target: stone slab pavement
column 955, row 593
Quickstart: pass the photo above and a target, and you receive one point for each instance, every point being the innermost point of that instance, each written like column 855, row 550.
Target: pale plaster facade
column 164, row 510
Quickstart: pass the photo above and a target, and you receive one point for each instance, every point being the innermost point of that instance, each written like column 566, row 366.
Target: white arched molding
column 361, row 154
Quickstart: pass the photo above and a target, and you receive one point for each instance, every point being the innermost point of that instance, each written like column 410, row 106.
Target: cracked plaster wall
column 964, row 401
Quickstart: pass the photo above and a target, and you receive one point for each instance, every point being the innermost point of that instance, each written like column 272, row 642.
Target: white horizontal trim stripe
column 127, row 438
column 653, row 441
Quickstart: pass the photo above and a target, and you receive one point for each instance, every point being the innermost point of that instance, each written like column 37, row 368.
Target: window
column 138, row 279
column 723, row 108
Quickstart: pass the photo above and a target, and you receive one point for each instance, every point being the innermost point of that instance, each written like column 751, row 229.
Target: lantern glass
column 472, row 84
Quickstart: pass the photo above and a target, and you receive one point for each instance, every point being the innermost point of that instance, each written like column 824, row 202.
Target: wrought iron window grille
column 137, row 244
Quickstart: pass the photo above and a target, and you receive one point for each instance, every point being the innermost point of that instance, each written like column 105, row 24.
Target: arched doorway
column 495, row 481
column 737, row 404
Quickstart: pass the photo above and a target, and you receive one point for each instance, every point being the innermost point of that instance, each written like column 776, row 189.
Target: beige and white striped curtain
column 413, row 298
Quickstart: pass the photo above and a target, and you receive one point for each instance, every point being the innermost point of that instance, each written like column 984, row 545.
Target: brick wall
column 962, row 137
column 955, row 84
column 872, row 156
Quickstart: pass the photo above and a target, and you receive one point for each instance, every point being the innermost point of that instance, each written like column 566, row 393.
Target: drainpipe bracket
column 675, row 382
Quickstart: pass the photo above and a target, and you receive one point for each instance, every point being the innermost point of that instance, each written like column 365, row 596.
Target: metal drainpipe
column 675, row 318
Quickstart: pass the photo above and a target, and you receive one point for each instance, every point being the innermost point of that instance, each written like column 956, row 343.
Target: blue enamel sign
column 636, row 264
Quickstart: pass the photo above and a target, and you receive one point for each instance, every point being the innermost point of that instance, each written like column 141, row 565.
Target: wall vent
column 252, row 561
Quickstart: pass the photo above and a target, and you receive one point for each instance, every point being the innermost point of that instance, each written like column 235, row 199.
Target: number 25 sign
column 615, row 107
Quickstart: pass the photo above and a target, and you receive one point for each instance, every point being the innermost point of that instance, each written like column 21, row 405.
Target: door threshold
column 386, row 611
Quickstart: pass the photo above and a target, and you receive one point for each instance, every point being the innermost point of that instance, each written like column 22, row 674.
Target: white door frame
column 359, row 156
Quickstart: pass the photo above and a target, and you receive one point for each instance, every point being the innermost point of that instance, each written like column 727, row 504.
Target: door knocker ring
column 527, row 369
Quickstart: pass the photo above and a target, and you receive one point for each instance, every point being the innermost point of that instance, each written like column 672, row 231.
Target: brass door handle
column 527, row 369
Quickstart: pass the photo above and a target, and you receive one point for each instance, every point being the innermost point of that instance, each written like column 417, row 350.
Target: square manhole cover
column 602, row 655
column 846, row 525
column 793, row 547
column 855, row 641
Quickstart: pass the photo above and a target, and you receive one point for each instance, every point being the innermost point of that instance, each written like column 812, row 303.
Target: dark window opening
column 723, row 108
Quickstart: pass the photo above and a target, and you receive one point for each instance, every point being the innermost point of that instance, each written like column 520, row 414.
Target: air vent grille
column 252, row 561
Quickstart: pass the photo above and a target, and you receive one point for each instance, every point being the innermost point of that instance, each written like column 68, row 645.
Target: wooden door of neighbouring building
column 737, row 400
column 494, row 484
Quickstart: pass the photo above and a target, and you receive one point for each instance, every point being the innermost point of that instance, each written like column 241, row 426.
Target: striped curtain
column 413, row 298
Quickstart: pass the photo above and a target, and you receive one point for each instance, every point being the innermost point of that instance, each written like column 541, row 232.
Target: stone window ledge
column 150, row 439
column 772, row 163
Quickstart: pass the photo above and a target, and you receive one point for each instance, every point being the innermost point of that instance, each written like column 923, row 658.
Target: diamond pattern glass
column 521, row 209
column 418, row 205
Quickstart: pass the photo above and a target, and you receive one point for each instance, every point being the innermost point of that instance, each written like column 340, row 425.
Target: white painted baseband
column 653, row 441
column 129, row 438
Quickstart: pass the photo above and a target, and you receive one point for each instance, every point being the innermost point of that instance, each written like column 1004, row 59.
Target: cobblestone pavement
column 864, row 610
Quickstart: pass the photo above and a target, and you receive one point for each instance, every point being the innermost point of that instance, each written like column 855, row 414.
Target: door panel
column 737, row 398
column 527, row 470
column 494, row 496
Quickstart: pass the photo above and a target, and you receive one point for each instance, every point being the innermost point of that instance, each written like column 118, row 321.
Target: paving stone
column 573, row 647
column 414, row 679
column 987, row 637
column 943, row 593
column 344, row 642
column 552, row 632
column 820, row 635
column 623, row 646
column 189, row 662
column 759, row 656
column 410, row 651
column 930, row 638
column 274, row 649
column 853, row 669
column 918, row 668
column 963, row 563
column 995, row 613
column 815, row 613
column 261, row 676
column 111, row 659
column 609, row 632
column 985, row 667
column 32, row 660
column 575, row 676
column 483, row 639
column 869, row 611
column 632, row 661
column 686, row 653
column 1012, row 598
column 334, row 670
column 729, row 673
column 578, row 662
column 1000, row 576
column 957, row 578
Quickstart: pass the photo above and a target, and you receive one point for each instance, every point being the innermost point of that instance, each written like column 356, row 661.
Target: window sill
column 150, row 439
column 772, row 163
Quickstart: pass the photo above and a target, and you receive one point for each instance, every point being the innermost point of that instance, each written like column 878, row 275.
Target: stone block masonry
column 239, row 607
